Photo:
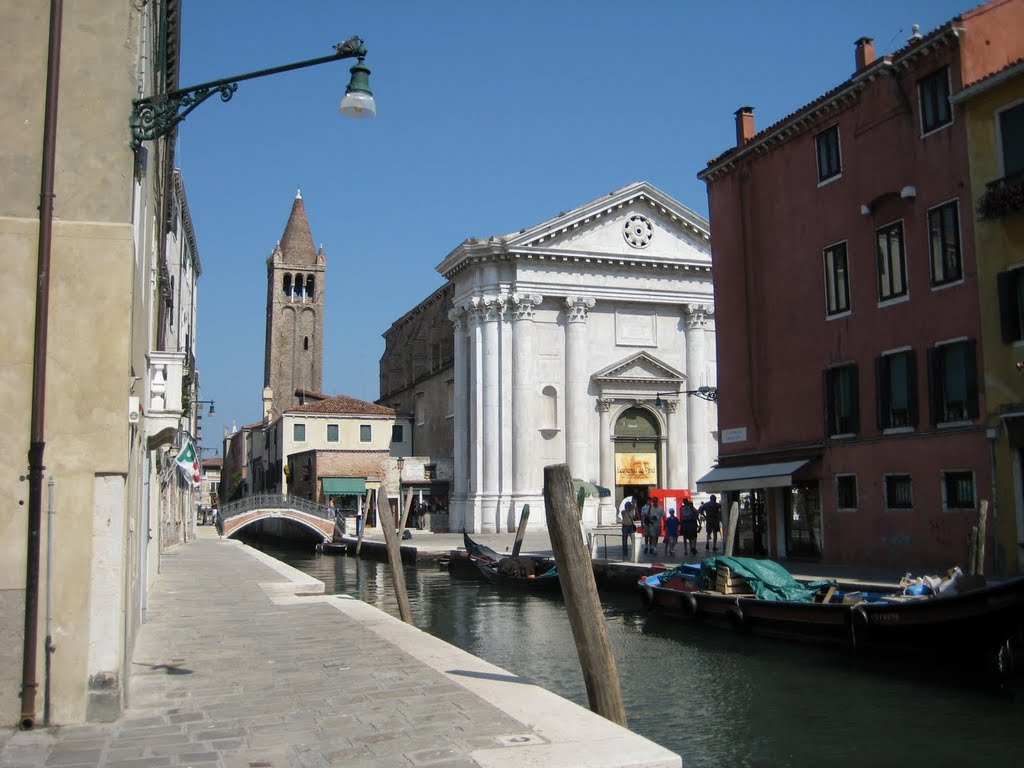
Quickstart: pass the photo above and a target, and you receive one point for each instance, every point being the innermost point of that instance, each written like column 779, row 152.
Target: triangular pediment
column 637, row 223
column 642, row 372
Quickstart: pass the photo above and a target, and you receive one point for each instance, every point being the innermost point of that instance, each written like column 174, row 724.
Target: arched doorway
column 637, row 438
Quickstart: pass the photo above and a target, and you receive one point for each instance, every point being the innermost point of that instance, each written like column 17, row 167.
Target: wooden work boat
column 963, row 624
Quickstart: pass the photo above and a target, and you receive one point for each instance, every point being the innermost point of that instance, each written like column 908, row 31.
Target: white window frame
column 828, row 250
column 920, row 102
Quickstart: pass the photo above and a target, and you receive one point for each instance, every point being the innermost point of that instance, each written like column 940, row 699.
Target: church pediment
column 641, row 372
column 638, row 223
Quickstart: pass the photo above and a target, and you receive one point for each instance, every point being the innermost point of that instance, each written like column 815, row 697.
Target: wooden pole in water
column 980, row 541
column 406, row 508
column 394, row 548
column 362, row 527
column 582, row 603
column 524, row 518
column 734, row 518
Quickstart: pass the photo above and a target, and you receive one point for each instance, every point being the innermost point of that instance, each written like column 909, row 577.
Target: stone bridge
column 236, row 515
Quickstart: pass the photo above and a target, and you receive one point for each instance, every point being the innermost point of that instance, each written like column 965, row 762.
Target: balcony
column 1002, row 197
column 162, row 407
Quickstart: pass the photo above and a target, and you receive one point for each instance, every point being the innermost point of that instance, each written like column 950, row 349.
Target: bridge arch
column 318, row 519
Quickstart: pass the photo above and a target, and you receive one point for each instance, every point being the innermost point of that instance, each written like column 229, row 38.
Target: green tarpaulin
column 344, row 486
column 767, row 579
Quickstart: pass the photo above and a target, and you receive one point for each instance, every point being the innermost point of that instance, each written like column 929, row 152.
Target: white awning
column 749, row 476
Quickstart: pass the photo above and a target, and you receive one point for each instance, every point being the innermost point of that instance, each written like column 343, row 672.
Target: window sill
column 936, row 129
column 947, row 284
column 843, row 436
column 897, row 430
column 838, row 315
column 954, row 424
column 882, row 303
column 829, row 180
column 954, row 510
column 899, row 509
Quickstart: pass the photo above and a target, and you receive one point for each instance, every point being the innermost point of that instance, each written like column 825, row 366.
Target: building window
column 1011, row 140
column 837, row 280
column 430, row 472
column 841, row 406
column 299, row 433
column 896, row 382
column 1010, row 287
column 892, row 267
column 286, row 285
column 419, row 408
column 934, row 94
column 898, row 492
column 944, row 243
column 958, row 490
column 365, row 433
column 397, row 433
column 827, row 145
column 953, row 382
column 332, row 433
column 846, row 491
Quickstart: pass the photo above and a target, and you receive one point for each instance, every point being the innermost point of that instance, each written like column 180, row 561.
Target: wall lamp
column 211, row 411
column 155, row 116
column 704, row 393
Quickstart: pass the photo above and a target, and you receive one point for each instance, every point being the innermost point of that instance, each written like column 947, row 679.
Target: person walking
column 654, row 517
column 710, row 514
column 690, row 526
column 671, row 532
column 628, row 528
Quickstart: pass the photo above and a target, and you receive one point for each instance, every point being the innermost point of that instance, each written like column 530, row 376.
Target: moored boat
column 537, row 575
column 960, row 623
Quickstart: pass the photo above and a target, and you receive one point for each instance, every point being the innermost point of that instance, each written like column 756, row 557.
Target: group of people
column 648, row 517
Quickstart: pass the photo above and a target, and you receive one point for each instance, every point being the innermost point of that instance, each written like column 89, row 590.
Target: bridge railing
column 274, row 501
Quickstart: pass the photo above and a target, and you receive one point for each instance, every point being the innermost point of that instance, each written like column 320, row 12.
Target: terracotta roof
column 343, row 404
column 311, row 393
column 994, row 75
column 297, row 240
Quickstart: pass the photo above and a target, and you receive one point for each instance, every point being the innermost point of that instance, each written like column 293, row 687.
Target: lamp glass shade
column 357, row 104
column 212, row 411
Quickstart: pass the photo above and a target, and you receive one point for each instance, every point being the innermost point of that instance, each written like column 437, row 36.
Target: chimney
column 865, row 54
column 744, row 125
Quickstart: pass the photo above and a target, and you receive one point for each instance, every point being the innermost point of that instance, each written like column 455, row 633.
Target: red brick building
column 847, row 308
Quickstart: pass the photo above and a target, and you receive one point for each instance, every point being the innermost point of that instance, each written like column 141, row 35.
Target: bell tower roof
column 297, row 241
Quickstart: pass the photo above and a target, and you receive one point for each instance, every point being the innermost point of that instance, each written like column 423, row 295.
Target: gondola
column 535, row 575
column 957, row 622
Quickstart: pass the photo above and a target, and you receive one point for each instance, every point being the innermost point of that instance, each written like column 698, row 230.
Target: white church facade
column 588, row 340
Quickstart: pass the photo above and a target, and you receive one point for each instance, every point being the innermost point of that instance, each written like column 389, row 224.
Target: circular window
column 638, row 231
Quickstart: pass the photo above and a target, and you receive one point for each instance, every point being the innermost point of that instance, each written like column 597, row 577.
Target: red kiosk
column 670, row 499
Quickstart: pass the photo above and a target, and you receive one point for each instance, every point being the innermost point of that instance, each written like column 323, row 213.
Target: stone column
column 474, row 515
column 698, row 434
column 576, row 381
column 606, row 511
column 491, row 432
column 526, row 480
column 460, row 423
column 676, row 474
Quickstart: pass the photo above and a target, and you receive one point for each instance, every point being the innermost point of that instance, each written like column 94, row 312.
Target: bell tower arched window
column 286, row 285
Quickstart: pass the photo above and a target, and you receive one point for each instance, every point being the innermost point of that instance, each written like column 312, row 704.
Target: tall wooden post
column 582, row 603
column 406, row 508
column 734, row 518
column 980, row 541
column 394, row 548
column 524, row 518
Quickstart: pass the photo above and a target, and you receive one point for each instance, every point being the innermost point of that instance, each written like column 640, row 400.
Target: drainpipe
column 29, row 685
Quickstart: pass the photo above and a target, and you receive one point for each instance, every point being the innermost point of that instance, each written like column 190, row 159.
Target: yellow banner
column 636, row 469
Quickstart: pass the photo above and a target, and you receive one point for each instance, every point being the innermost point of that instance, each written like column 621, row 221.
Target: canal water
column 717, row 698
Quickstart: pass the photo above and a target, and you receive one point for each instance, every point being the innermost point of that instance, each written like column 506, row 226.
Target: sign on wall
column 636, row 469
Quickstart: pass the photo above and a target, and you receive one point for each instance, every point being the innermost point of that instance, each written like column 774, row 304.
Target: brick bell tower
column 295, row 313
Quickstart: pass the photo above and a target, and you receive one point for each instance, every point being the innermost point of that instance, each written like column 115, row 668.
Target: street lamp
column 155, row 116
column 704, row 393
column 211, row 411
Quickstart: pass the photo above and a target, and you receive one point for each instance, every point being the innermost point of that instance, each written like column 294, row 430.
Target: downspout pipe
column 29, row 683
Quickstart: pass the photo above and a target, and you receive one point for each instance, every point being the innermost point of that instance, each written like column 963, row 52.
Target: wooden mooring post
column 394, row 548
column 730, row 537
column 582, row 603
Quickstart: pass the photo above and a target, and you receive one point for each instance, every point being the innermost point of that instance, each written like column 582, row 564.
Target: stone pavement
column 244, row 663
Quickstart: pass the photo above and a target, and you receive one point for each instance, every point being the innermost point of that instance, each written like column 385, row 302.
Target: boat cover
column 767, row 579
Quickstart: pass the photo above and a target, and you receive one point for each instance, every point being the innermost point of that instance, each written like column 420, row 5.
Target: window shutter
column 881, row 392
column 830, row 402
column 912, row 387
column 855, row 403
column 933, row 386
column 971, row 373
column 1008, row 309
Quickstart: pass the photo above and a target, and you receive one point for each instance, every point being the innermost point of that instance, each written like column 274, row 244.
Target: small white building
column 587, row 339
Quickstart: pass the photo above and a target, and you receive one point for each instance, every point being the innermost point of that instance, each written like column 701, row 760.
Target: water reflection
column 717, row 698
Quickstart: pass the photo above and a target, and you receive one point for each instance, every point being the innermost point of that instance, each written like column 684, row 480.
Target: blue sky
column 492, row 116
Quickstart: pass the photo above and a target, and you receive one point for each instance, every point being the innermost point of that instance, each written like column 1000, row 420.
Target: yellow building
column 99, row 383
column 994, row 110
